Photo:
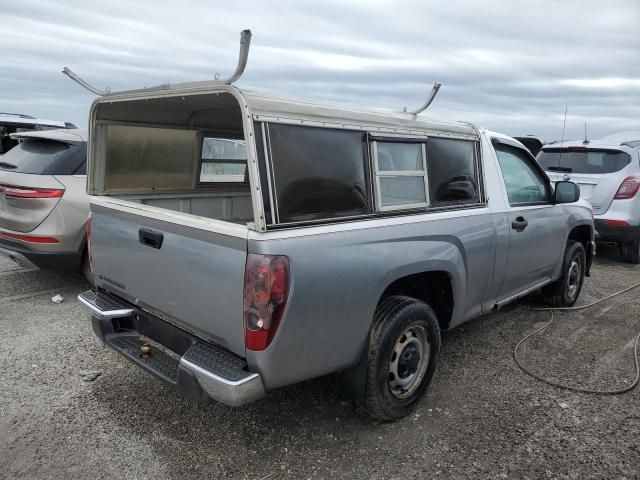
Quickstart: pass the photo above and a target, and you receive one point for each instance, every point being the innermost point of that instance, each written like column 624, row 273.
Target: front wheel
column 631, row 251
column 565, row 291
column 404, row 347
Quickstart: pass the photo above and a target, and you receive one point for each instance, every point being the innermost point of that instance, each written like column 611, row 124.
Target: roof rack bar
column 69, row 73
column 245, row 42
column 432, row 95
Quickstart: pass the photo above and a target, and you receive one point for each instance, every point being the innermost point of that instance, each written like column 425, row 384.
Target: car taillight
column 628, row 188
column 617, row 223
column 266, row 289
column 29, row 238
column 27, row 192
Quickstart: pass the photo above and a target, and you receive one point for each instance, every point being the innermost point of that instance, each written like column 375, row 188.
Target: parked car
column 44, row 206
column 608, row 172
column 339, row 240
column 533, row 143
column 16, row 122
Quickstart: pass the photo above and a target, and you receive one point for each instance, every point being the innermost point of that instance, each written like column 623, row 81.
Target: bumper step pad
column 216, row 361
column 104, row 306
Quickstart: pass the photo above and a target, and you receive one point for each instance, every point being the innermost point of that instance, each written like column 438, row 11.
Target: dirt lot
column 483, row 418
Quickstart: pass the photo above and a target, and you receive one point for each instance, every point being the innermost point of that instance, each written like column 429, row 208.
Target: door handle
column 520, row 224
column 150, row 238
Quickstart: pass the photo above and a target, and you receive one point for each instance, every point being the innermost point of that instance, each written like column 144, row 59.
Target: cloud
column 509, row 66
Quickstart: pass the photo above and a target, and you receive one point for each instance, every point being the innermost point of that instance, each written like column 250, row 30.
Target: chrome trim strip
column 522, row 293
column 364, row 126
column 104, row 313
column 268, row 167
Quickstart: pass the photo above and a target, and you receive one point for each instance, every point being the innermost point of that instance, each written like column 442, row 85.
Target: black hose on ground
column 571, row 387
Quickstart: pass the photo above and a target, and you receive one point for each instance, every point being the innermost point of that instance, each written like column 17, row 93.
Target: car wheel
column 565, row 291
column 631, row 251
column 403, row 351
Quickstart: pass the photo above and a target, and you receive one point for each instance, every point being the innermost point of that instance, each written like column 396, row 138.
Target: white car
column 16, row 123
column 608, row 172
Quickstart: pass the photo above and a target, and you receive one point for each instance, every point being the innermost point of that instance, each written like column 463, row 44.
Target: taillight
column 29, row 238
column 266, row 289
column 628, row 188
column 27, row 192
column 617, row 223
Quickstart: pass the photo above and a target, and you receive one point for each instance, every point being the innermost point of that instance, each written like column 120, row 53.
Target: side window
column 401, row 176
column 223, row 160
column 453, row 173
column 525, row 184
column 318, row 173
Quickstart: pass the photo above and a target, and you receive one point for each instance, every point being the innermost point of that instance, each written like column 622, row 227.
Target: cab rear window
column 583, row 160
column 44, row 157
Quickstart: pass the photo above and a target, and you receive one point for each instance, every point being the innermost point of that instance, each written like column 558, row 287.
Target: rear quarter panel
column 339, row 273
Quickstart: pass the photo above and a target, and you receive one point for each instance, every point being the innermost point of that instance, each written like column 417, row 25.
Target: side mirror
column 566, row 192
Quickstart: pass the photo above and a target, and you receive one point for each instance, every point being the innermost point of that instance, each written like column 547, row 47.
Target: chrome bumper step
column 200, row 368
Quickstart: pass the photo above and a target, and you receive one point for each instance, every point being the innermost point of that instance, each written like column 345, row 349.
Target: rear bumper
column 203, row 370
column 27, row 257
column 609, row 233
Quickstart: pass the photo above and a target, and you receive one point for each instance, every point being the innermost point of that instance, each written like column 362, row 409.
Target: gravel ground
column 483, row 417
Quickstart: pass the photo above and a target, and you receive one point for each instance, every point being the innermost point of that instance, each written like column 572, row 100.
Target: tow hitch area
column 201, row 369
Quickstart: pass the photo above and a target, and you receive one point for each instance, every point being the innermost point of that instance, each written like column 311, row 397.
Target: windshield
column 583, row 160
column 44, row 157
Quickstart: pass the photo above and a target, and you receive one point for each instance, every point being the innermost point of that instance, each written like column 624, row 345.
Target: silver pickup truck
column 242, row 241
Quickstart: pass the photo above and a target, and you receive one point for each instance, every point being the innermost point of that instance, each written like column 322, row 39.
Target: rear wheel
column 631, row 251
column 565, row 291
column 401, row 360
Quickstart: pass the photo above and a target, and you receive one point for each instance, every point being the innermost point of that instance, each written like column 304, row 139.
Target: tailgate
column 597, row 189
column 185, row 273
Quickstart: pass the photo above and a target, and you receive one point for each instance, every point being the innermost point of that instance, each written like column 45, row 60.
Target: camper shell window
column 223, row 160
column 317, row 173
column 401, row 174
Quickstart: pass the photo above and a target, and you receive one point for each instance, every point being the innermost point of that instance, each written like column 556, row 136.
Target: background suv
column 44, row 206
column 608, row 172
column 11, row 123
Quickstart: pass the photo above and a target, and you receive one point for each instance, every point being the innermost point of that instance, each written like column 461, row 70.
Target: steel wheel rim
column 409, row 361
column 573, row 278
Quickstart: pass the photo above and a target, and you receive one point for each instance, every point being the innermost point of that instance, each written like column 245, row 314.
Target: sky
column 511, row 66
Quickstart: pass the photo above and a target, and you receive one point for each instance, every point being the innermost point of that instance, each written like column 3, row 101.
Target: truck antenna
column 564, row 124
column 586, row 139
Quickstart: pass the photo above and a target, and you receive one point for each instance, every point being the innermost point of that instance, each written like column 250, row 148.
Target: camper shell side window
column 319, row 174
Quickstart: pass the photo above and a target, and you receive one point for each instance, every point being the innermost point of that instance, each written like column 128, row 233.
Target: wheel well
column 581, row 233
column 433, row 288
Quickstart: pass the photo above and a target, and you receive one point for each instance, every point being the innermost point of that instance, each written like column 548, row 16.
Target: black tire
column 396, row 318
column 630, row 251
column 565, row 291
